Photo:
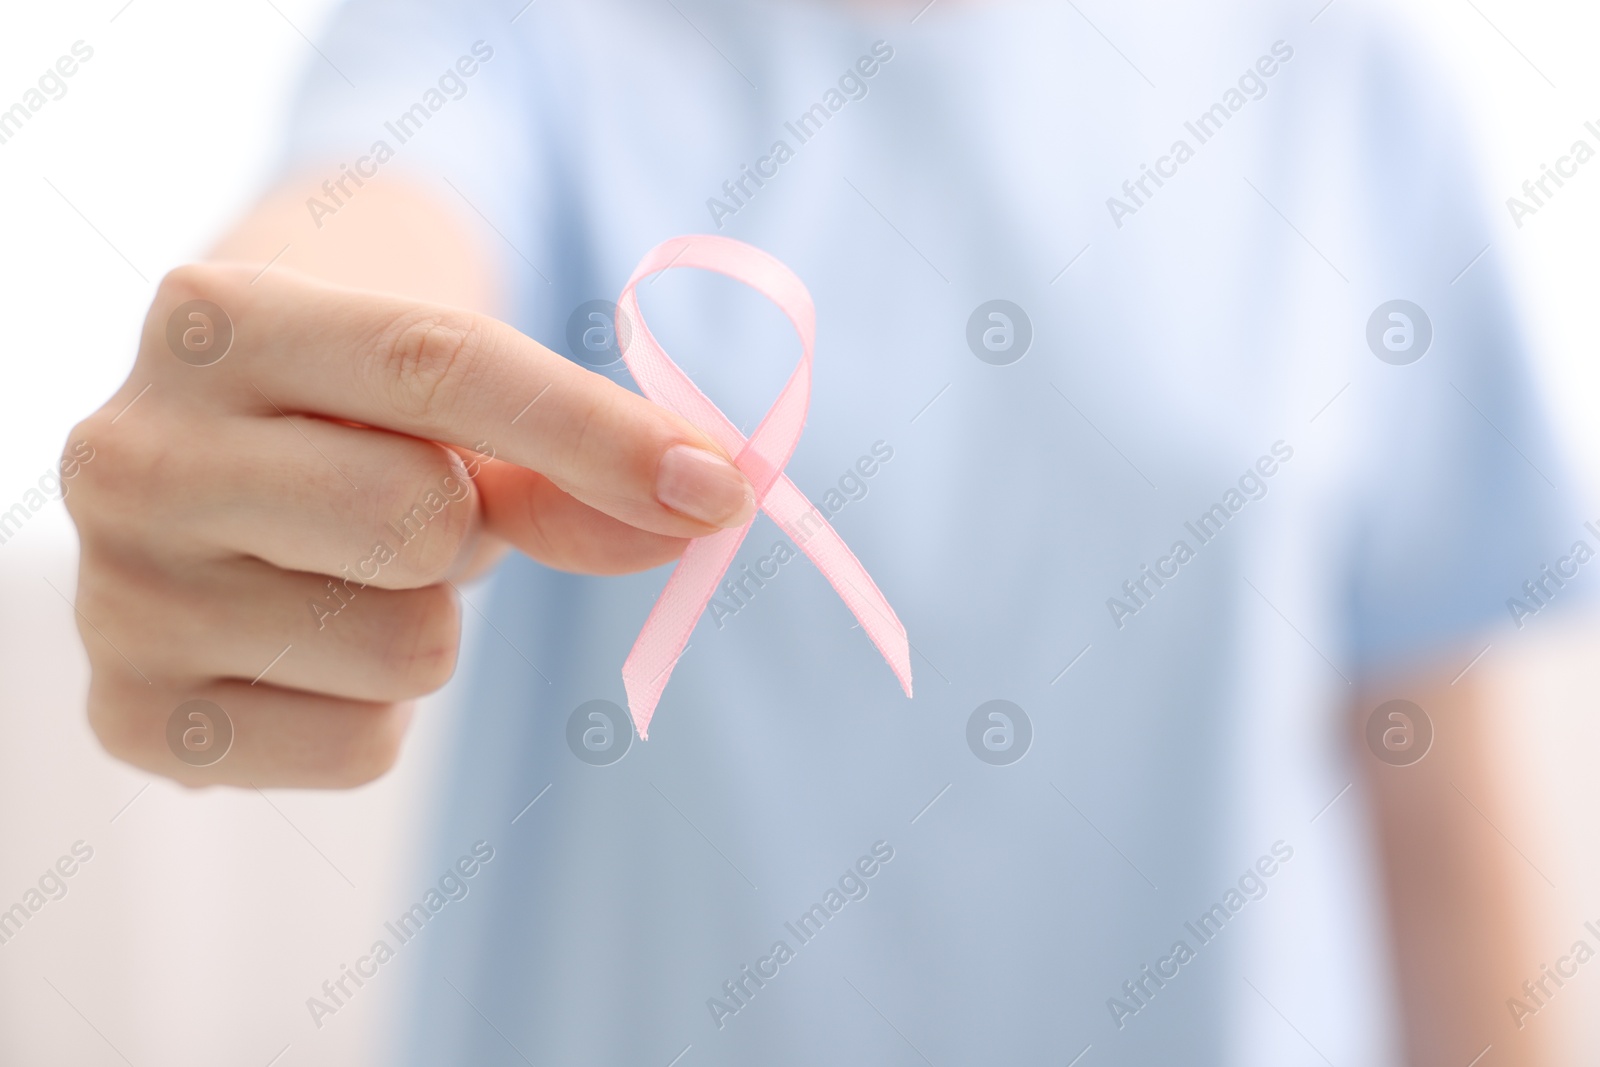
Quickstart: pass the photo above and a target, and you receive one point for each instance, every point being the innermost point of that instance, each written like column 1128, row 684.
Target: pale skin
column 218, row 505
column 215, row 504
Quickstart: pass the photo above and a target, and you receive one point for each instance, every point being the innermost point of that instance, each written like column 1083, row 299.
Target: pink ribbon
column 761, row 457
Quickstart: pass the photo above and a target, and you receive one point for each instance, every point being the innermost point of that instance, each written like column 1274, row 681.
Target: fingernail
column 704, row 486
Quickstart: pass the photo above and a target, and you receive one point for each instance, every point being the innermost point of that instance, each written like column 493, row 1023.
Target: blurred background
column 204, row 919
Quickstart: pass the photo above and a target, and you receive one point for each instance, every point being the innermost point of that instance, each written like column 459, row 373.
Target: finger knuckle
column 126, row 732
column 433, row 517
column 189, row 281
column 216, row 282
column 421, row 652
column 114, row 616
column 77, row 455
column 369, row 750
column 126, row 484
column 424, row 358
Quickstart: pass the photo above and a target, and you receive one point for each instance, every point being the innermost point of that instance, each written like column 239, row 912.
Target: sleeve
column 1459, row 494
column 440, row 94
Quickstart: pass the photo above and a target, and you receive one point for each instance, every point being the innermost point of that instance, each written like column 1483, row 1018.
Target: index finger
column 449, row 375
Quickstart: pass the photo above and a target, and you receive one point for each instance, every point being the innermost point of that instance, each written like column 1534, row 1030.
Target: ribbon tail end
column 641, row 707
column 900, row 663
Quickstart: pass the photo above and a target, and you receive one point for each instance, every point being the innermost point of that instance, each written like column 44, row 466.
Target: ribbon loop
column 761, row 458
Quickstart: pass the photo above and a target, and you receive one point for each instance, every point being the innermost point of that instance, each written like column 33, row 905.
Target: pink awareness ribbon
column 761, row 457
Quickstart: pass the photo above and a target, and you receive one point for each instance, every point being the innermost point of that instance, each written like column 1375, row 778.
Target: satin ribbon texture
column 761, row 457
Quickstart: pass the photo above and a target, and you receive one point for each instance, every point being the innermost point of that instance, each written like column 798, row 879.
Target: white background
column 205, row 920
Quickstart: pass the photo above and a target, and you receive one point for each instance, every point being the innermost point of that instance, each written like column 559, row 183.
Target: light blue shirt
column 1197, row 373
